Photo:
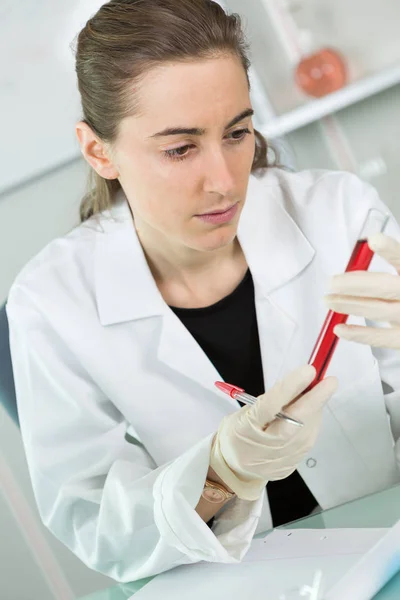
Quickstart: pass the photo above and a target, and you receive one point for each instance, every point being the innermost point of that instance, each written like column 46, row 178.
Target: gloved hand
column 374, row 296
column 251, row 447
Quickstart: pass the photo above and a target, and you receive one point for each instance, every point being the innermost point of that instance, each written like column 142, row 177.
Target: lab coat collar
column 124, row 285
column 276, row 251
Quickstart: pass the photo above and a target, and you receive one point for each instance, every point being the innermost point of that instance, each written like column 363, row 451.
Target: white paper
column 303, row 543
column 372, row 571
column 286, row 565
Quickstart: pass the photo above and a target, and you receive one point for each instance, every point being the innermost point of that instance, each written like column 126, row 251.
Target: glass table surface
column 378, row 510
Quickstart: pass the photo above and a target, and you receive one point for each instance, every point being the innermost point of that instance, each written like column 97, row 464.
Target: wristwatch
column 216, row 493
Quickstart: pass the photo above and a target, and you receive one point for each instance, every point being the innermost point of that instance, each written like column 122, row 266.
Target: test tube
column 360, row 260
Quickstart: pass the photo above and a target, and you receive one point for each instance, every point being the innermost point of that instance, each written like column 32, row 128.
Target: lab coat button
column 311, row 462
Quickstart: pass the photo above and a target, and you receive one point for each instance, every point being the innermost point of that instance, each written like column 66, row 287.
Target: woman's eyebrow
column 197, row 131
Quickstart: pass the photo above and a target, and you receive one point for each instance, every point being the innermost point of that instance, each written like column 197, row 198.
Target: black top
column 227, row 332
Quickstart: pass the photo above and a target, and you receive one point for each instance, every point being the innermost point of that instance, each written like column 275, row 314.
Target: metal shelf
column 316, row 109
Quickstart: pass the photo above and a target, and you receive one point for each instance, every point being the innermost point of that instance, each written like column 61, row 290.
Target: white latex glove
column 374, row 296
column 251, row 447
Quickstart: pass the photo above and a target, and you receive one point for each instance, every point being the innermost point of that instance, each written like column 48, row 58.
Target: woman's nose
column 218, row 174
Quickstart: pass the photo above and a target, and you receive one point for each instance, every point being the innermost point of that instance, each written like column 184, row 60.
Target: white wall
column 33, row 564
column 364, row 137
column 36, row 213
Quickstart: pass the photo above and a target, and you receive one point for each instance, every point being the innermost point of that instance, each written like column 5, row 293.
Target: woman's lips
column 220, row 217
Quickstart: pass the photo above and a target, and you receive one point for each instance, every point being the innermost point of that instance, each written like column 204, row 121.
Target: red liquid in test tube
column 360, row 260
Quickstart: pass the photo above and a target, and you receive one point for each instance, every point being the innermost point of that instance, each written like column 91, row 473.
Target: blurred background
column 326, row 91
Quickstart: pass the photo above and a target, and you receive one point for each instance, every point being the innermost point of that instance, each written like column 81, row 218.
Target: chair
column 7, row 388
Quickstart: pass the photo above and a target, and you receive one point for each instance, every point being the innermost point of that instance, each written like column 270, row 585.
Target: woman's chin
column 216, row 240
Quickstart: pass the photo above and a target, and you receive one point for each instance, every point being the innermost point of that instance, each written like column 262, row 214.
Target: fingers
column 290, row 440
column 376, row 337
column 369, row 308
column 312, row 402
column 282, row 393
column 386, row 247
column 307, row 408
column 366, row 285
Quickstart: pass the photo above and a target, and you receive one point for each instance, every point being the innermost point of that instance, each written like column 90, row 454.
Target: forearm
column 207, row 509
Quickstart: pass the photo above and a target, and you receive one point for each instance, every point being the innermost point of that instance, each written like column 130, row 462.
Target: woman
column 195, row 261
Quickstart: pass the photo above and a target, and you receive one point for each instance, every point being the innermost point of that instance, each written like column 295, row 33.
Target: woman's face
column 172, row 180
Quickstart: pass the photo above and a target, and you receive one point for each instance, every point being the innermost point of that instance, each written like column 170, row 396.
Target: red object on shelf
column 321, row 73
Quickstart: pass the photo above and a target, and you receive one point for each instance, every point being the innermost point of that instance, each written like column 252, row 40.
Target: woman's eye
column 242, row 134
column 177, row 153
column 182, row 152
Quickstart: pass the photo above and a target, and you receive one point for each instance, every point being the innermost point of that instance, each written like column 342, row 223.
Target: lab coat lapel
column 276, row 332
column 179, row 351
column 277, row 252
column 126, row 291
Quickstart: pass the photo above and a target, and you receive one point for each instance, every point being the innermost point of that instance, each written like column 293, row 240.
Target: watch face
column 213, row 495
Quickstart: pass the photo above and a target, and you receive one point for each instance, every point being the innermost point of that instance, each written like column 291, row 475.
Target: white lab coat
column 97, row 353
